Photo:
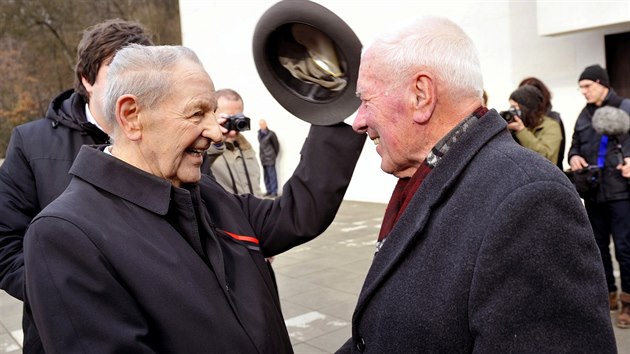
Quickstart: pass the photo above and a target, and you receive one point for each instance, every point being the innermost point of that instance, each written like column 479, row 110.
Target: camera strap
column 227, row 165
column 237, row 145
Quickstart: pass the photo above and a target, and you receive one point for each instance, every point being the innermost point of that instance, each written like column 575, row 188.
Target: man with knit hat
column 609, row 206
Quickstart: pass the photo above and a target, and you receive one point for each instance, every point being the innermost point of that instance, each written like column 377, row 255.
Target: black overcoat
column 123, row 262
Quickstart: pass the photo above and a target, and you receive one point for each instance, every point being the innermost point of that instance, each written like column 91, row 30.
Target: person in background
column 234, row 163
column 485, row 246
column 609, row 207
column 269, row 150
column 164, row 259
column 531, row 127
column 41, row 152
column 549, row 112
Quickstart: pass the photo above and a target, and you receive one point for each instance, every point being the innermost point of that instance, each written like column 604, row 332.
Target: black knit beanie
column 595, row 73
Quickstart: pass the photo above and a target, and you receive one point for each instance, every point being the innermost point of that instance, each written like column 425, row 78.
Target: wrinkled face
column 176, row 133
column 96, row 93
column 593, row 91
column 385, row 115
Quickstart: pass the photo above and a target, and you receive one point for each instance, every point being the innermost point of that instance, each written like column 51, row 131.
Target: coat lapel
column 436, row 186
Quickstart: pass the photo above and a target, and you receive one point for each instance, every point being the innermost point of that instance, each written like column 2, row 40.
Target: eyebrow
column 204, row 104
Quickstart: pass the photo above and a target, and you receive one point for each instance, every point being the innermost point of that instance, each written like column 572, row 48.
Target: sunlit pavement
column 319, row 284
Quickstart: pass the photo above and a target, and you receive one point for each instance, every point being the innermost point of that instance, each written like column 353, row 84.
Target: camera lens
column 241, row 124
column 506, row 115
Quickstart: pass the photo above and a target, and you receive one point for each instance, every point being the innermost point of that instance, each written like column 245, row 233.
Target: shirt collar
column 90, row 117
column 442, row 147
column 119, row 178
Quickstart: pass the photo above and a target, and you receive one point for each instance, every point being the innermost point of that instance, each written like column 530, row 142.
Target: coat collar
column 435, row 187
column 127, row 182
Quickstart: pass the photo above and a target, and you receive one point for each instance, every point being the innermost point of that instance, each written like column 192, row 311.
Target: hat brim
column 307, row 101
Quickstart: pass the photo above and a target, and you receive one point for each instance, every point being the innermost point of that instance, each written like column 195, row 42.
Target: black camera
column 510, row 113
column 237, row 122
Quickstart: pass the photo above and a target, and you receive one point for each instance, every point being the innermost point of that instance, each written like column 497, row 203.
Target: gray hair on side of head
column 436, row 43
column 143, row 71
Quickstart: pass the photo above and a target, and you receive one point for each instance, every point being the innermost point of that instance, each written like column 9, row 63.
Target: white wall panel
column 557, row 17
column 506, row 35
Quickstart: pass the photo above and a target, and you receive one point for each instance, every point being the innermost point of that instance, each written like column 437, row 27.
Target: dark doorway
column 618, row 62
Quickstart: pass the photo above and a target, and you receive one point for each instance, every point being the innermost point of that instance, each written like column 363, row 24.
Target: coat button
column 361, row 344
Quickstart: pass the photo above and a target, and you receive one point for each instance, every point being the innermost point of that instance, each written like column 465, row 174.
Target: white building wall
column 556, row 17
column 506, row 34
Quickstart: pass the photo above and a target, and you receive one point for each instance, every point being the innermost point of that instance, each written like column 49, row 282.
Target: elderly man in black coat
column 485, row 246
column 143, row 254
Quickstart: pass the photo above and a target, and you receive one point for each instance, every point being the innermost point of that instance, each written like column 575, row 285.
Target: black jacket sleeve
column 311, row 197
column 18, row 206
column 275, row 143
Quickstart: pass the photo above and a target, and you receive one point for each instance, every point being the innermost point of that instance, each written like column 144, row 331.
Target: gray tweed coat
column 494, row 254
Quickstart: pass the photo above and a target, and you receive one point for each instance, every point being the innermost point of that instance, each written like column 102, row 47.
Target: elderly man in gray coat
column 485, row 246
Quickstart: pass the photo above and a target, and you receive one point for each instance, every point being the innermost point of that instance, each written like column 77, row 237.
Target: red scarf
column 407, row 187
column 403, row 192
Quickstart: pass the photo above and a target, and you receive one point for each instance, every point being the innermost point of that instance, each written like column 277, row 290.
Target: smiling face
column 386, row 115
column 176, row 133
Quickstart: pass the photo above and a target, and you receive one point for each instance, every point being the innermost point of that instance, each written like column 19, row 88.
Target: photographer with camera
column 234, row 163
column 549, row 112
column 530, row 126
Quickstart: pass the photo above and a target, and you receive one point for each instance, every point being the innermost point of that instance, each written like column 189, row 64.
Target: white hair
column 145, row 72
column 437, row 44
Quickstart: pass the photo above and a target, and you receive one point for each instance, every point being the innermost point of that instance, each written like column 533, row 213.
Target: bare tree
column 38, row 40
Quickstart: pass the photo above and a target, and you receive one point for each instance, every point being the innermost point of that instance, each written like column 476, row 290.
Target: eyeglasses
column 586, row 86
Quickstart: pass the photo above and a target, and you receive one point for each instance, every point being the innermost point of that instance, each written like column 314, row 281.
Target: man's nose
column 211, row 128
column 359, row 125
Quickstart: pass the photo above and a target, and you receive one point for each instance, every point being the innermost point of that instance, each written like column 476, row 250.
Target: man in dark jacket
column 41, row 152
column 269, row 150
column 163, row 259
column 485, row 246
column 608, row 207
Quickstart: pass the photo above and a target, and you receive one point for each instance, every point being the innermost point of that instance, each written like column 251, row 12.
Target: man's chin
column 388, row 169
column 191, row 177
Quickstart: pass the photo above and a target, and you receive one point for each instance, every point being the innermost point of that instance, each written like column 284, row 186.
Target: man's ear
column 87, row 85
column 425, row 94
column 128, row 117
